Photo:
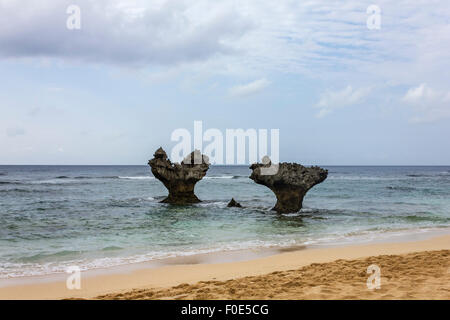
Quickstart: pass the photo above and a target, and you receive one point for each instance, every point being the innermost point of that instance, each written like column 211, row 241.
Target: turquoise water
column 52, row 217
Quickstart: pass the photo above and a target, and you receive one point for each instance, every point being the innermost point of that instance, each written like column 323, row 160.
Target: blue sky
column 113, row 91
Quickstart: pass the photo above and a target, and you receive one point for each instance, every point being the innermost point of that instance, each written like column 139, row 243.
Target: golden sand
column 422, row 275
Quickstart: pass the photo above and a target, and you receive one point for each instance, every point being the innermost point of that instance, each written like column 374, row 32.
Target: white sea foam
column 52, row 181
column 138, row 178
column 220, row 204
column 219, row 177
column 14, row 270
column 366, row 178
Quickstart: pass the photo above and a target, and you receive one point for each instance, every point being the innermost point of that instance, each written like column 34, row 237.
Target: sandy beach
column 409, row 270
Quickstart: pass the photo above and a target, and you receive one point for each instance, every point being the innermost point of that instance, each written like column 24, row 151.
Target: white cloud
column 297, row 37
column 332, row 100
column 420, row 94
column 250, row 88
column 429, row 104
column 135, row 33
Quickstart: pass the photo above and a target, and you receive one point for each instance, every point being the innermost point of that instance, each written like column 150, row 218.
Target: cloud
column 131, row 33
column 332, row 100
column 15, row 132
column 249, row 88
column 429, row 104
column 325, row 39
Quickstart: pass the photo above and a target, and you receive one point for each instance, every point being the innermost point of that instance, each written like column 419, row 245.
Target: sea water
column 52, row 217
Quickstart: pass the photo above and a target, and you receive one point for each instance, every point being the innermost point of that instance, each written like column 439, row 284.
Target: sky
column 114, row 90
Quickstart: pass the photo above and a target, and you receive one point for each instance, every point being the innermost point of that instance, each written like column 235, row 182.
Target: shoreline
column 194, row 269
column 235, row 255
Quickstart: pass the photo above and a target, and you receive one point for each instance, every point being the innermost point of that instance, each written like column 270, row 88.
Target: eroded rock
column 234, row 203
column 289, row 182
column 179, row 179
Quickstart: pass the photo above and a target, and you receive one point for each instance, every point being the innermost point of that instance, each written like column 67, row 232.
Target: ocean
column 53, row 217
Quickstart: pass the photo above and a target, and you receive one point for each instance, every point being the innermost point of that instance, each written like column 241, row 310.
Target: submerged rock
column 179, row 179
column 234, row 203
column 289, row 182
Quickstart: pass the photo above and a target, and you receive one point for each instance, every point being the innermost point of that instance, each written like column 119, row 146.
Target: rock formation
column 234, row 203
column 179, row 179
column 289, row 182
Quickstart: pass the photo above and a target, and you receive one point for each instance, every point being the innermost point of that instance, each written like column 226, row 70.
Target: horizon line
column 233, row 165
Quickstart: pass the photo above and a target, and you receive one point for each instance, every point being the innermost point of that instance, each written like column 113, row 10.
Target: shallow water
column 52, row 217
